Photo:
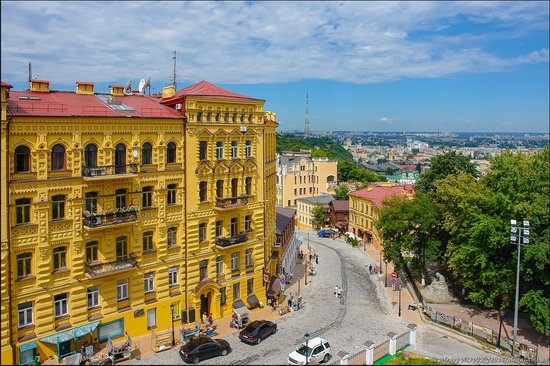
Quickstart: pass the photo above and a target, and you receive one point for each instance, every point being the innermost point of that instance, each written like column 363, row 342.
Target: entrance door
column 204, row 305
column 120, row 159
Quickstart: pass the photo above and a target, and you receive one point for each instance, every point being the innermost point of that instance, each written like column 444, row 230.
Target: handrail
column 107, row 170
column 98, row 269
column 227, row 202
column 109, row 218
column 231, row 240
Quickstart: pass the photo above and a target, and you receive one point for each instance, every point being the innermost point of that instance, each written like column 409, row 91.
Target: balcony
column 332, row 184
column 109, row 172
column 108, row 218
column 228, row 241
column 231, row 202
column 107, row 268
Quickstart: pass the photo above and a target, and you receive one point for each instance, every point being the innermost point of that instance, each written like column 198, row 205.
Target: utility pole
column 306, row 122
column 30, row 75
column 174, row 73
column 518, row 236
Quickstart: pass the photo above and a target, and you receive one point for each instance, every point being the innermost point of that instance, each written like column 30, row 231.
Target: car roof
column 197, row 341
column 315, row 341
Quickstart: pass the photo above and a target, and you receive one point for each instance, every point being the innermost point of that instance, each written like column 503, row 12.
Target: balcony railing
column 106, row 268
column 231, row 202
column 231, row 240
column 119, row 216
column 108, row 170
column 332, row 184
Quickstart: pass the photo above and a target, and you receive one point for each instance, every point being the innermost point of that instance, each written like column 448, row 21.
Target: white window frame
column 248, row 257
column 92, row 294
column 148, row 283
column 172, row 237
column 219, row 150
column 25, row 314
column 248, row 148
column 122, row 291
column 234, row 147
column 63, row 306
column 172, row 276
column 235, row 261
column 154, row 312
column 219, row 265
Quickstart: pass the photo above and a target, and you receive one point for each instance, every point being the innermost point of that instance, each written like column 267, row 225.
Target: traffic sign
column 393, row 280
column 393, row 275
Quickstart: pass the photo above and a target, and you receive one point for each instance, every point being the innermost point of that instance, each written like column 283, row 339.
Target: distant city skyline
column 380, row 66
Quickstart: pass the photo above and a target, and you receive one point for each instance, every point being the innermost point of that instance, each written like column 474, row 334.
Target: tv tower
column 306, row 122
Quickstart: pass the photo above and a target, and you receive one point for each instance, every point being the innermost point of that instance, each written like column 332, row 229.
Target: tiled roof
column 70, row 104
column 377, row 194
column 5, row 84
column 323, row 200
column 340, row 205
column 284, row 217
column 206, row 89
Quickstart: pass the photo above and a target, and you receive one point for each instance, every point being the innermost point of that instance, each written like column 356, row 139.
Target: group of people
column 207, row 319
column 338, row 291
column 374, row 269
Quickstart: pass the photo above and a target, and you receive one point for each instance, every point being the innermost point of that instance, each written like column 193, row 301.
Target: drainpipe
column 184, row 133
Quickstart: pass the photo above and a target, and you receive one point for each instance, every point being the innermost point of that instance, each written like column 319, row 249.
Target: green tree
column 319, row 216
column 477, row 216
column 443, row 165
column 341, row 193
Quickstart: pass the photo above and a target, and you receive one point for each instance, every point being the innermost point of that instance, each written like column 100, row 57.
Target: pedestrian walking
column 370, row 268
column 310, row 257
column 210, row 319
column 316, row 259
column 339, row 292
column 289, row 301
column 336, row 289
column 204, row 318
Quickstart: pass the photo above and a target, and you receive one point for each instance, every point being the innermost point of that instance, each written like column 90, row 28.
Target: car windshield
column 304, row 351
column 250, row 327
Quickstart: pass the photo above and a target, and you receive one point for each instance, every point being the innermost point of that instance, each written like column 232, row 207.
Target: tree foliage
column 319, row 216
column 349, row 171
column 477, row 216
column 341, row 193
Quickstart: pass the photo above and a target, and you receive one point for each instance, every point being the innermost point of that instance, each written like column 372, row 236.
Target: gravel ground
column 360, row 316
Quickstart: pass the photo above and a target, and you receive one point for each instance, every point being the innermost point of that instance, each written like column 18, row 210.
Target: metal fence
column 381, row 350
column 402, row 341
column 481, row 332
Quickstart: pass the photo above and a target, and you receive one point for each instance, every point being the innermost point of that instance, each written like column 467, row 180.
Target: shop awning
column 274, row 287
column 70, row 334
column 241, row 313
column 253, row 300
column 28, row 346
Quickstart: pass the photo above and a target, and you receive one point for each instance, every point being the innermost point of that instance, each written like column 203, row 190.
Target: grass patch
column 412, row 359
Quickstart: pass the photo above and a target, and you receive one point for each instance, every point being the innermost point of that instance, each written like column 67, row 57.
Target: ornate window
column 24, row 265
column 58, row 207
column 147, row 197
column 203, row 146
column 91, row 251
column 171, row 153
column 219, row 265
column 202, row 232
column 219, row 228
column 202, row 191
column 234, row 187
column 234, row 146
column 148, row 241
column 59, row 258
column 58, row 157
column 199, row 117
column 171, row 197
column 248, row 185
column 219, row 188
column 219, row 150
column 236, row 291
column 248, row 149
column 23, row 210
column 22, row 159
column 146, row 153
column 91, row 202
column 90, row 156
column 172, row 237
column 120, row 198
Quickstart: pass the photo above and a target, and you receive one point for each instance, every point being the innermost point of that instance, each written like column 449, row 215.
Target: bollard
column 370, row 353
column 412, row 334
column 343, row 357
column 393, row 338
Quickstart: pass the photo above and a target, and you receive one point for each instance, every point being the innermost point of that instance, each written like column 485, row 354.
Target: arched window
column 146, row 153
column 58, row 157
column 330, row 178
column 248, row 185
column 22, row 159
column 171, row 153
column 120, row 159
column 90, row 156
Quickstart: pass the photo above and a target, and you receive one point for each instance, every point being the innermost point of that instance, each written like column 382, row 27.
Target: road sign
column 393, row 275
column 393, row 280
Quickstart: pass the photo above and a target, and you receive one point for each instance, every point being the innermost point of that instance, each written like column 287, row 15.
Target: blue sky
column 380, row 66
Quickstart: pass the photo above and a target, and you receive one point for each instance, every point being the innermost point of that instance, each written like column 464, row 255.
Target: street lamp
column 386, row 275
column 307, row 347
column 172, row 321
column 518, row 236
column 399, row 300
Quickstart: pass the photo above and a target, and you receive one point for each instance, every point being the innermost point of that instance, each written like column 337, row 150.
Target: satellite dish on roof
column 141, row 86
column 128, row 87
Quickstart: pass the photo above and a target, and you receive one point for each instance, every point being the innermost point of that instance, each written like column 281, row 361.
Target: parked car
column 202, row 348
column 316, row 349
column 327, row 233
column 257, row 331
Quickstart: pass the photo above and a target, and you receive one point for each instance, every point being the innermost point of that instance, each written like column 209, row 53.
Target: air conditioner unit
column 243, row 129
column 178, row 106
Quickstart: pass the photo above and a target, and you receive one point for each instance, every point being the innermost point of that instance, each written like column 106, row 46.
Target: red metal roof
column 70, row 104
column 379, row 193
column 85, row 82
column 5, row 84
column 206, row 89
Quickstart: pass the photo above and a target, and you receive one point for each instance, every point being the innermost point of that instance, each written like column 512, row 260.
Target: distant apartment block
column 300, row 175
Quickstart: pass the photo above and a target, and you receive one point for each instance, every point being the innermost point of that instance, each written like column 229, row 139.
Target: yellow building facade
column 107, row 230
column 300, row 175
column 364, row 209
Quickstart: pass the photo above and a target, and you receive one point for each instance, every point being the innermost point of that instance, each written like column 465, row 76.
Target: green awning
column 72, row 333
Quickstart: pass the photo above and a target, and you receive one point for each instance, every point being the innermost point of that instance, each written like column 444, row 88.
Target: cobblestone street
column 362, row 315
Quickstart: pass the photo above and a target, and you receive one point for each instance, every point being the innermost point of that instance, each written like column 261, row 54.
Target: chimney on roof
column 84, row 87
column 42, row 86
column 168, row 91
column 117, row 90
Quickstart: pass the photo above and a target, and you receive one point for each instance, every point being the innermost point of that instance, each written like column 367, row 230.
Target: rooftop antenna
column 128, row 87
column 306, row 127
column 30, row 74
column 148, row 84
column 174, row 73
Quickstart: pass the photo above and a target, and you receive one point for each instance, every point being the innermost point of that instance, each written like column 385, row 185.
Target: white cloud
column 234, row 42
column 386, row 120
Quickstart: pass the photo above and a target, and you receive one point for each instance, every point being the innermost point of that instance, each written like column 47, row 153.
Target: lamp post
column 172, row 321
column 399, row 313
column 380, row 261
column 518, row 236
column 386, row 275
column 307, row 347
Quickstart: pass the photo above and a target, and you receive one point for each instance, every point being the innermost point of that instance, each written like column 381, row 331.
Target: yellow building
column 365, row 205
column 299, row 175
column 305, row 208
column 112, row 217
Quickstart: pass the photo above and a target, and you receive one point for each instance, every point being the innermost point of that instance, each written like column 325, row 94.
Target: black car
column 202, row 347
column 257, row 331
